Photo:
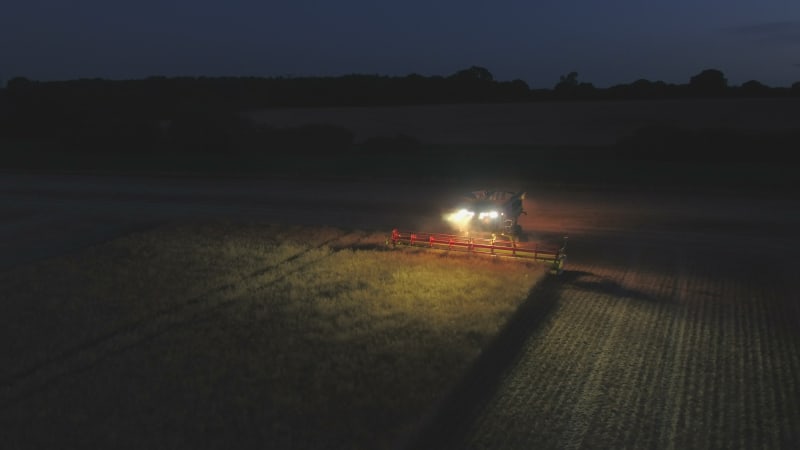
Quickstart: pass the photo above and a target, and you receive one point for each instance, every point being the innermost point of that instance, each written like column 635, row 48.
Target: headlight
column 460, row 219
column 462, row 214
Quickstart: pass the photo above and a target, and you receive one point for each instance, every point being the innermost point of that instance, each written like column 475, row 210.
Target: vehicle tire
column 559, row 263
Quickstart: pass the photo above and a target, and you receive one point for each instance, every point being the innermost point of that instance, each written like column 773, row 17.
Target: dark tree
column 515, row 90
column 473, row 84
column 754, row 87
column 474, row 73
column 640, row 89
column 568, row 81
column 569, row 87
column 708, row 82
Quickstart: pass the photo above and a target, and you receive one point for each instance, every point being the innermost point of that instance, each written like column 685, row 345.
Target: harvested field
column 645, row 346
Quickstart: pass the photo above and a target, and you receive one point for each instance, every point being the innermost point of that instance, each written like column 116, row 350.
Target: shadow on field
column 605, row 286
column 455, row 415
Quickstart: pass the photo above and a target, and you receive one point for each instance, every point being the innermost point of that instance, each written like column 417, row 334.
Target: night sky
column 606, row 42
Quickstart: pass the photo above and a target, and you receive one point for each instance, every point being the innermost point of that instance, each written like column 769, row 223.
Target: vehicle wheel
column 558, row 264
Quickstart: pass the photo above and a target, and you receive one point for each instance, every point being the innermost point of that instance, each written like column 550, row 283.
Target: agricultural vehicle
column 488, row 212
column 485, row 223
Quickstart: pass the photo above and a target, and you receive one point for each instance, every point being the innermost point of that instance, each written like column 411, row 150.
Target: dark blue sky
column 606, row 42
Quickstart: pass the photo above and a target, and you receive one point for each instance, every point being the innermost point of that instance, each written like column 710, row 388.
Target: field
column 590, row 123
column 649, row 347
column 673, row 326
column 242, row 336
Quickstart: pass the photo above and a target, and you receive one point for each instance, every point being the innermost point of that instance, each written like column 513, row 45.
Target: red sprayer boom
column 497, row 246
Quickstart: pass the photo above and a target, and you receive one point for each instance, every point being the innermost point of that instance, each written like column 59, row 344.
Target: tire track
column 651, row 407
column 451, row 420
column 557, row 357
column 766, row 394
column 728, row 375
column 716, row 419
column 751, row 376
column 84, row 356
column 564, row 350
column 677, row 359
column 692, row 425
column 779, row 408
column 591, row 391
column 786, row 340
column 640, row 373
column 739, row 369
column 706, row 363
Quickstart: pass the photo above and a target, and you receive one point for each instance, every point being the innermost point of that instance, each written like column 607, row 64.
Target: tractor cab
column 488, row 212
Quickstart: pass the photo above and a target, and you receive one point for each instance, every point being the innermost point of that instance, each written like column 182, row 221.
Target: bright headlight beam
column 460, row 219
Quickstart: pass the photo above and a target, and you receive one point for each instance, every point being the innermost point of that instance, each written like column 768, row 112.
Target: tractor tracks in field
column 86, row 355
column 510, row 373
column 452, row 418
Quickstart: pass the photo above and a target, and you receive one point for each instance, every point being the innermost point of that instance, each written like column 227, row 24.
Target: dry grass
column 242, row 336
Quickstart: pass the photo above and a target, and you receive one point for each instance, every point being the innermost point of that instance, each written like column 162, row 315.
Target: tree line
column 472, row 85
column 201, row 115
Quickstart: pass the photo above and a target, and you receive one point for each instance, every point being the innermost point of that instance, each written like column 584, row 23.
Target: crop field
column 242, row 336
column 674, row 325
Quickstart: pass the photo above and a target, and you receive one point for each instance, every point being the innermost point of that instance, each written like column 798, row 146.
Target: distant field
column 538, row 165
column 585, row 143
column 543, row 123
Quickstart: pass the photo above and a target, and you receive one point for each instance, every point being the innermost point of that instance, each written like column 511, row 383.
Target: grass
column 243, row 335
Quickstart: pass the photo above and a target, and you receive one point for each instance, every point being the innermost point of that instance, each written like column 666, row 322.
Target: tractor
column 485, row 223
column 488, row 212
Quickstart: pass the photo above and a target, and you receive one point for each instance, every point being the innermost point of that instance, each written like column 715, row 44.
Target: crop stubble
column 655, row 347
